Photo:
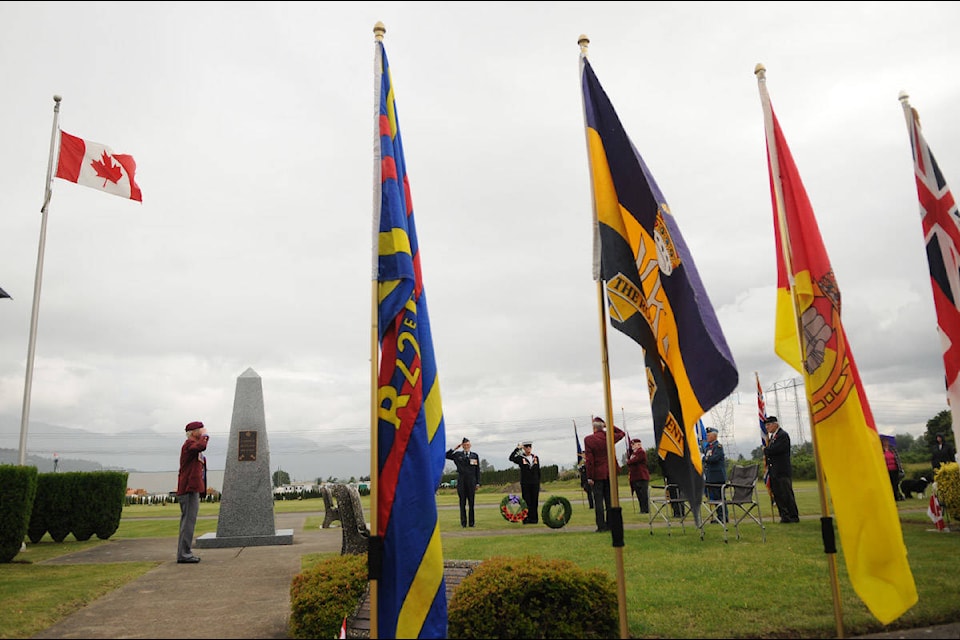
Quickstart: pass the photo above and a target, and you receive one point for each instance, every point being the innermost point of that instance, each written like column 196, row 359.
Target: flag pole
column 763, row 443
column 579, row 462
column 623, row 416
column 31, row 348
column 374, row 557
column 615, row 516
column 826, row 522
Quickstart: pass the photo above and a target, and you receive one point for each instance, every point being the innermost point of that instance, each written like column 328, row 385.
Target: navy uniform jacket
column 529, row 473
column 468, row 467
column 714, row 463
column 777, row 453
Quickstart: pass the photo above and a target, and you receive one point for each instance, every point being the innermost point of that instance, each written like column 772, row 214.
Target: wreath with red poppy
column 513, row 508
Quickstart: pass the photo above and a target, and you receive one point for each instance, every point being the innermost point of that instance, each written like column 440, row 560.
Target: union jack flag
column 762, row 415
column 941, row 234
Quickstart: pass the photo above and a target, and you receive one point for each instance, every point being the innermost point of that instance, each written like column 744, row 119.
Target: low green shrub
column 531, row 597
column 323, row 595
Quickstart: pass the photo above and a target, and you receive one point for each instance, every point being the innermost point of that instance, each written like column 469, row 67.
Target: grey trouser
column 189, row 508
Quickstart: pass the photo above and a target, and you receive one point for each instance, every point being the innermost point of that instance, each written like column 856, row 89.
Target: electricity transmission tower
column 722, row 416
column 800, row 411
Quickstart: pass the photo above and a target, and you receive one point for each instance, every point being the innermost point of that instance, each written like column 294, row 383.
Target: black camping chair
column 738, row 499
column 667, row 504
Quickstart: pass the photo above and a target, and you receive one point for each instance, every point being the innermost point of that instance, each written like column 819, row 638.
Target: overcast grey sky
column 252, row 127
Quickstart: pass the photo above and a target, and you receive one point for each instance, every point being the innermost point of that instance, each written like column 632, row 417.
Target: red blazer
column 193, row 467
column 595, row 453
column 637, row 464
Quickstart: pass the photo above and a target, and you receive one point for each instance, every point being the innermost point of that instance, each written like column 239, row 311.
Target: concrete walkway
column 232, row 593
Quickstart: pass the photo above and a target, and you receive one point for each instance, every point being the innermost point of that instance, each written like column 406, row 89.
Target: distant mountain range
column 149, row 451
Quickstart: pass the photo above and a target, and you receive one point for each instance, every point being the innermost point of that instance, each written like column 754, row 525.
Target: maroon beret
column 194, row 425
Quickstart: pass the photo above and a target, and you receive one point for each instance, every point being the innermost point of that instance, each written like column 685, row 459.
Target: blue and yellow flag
column 654, row 293
column 411, row 443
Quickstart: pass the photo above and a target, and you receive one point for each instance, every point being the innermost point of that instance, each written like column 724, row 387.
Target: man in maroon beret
column 191, row 483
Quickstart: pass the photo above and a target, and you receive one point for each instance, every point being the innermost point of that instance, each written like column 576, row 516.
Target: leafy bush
column 948, row 488
column 18, row 486
column 321, row 596
column 532, row 597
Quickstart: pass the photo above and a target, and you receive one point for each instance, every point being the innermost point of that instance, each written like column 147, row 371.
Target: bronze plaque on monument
column 247, row 446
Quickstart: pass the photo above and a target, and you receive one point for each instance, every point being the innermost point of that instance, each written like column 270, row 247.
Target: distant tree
column 905, row 441
column 280, row 478
column 485, row 466
column 942, row 423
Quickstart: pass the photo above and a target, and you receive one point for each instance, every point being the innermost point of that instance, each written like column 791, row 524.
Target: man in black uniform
column 529, row 479
column 777, row 452
column 468, row 478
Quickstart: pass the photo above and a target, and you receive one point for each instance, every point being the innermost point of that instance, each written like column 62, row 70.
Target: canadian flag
column 343, row 628
column 95, row 165
column 935, row 512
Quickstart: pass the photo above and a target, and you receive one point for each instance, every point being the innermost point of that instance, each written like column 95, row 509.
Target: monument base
column 211, row 541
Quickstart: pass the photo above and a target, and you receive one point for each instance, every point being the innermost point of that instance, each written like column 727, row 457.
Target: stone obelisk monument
column 246, row 501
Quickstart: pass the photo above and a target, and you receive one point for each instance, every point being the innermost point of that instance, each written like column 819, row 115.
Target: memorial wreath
column 513, row 508
column 556, row 512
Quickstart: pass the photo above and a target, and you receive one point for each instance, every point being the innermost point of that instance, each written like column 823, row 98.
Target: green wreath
column 556, row 512
column 513, row 508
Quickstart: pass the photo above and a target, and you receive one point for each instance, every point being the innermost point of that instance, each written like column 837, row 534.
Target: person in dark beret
column 191, row 484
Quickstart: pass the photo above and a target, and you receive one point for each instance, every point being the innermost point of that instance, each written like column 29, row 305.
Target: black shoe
column 190, row 560
column 471, row 524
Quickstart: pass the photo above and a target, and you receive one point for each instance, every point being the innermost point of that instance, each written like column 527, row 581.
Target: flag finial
column 759, row 70
column 584, row 42
column 57, row 98
column 379, row 30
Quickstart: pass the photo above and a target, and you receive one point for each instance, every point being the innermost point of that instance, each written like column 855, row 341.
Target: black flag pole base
column 827, row 533
column 375, row 558
column 615, row 522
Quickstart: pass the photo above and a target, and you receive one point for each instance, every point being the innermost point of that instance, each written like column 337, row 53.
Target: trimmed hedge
column 18, row 487
column 78, row 502
column 323, row 595
column 531, row 597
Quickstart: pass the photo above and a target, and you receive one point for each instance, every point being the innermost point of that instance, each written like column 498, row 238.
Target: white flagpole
column 375, row 561
column 47, row 193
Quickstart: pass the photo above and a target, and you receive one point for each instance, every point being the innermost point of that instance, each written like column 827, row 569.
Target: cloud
column 252, row 130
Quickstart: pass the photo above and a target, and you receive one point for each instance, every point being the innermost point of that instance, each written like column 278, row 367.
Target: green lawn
column 780, row 588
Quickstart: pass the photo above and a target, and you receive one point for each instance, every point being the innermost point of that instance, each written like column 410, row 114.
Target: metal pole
column 47, row 193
